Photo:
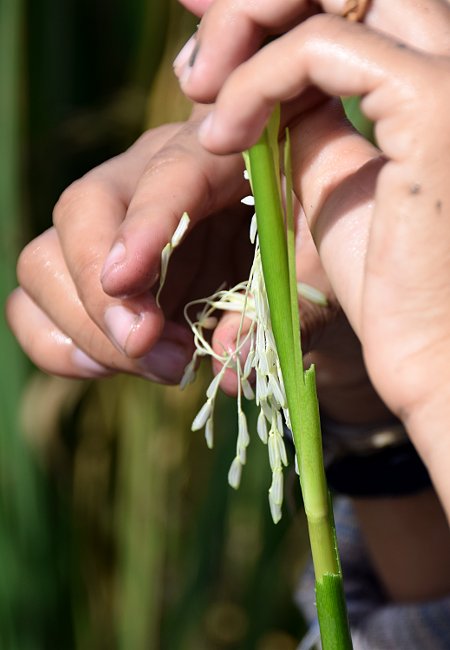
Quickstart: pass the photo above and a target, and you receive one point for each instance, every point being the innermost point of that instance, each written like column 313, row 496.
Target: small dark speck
column 415, row 188
column 438, row 206
column 400, row 46
column 194, row 54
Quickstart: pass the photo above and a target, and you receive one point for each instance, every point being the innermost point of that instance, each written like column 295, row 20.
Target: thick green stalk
column 274, row 258
column 277, row 243
column 290, row 239
column 323, row 542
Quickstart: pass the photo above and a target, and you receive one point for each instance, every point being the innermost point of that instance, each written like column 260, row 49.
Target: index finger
column 231, row 31
column 125, row 212
column 340, row 59
column 181, row 177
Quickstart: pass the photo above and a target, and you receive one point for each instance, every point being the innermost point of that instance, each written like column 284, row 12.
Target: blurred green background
column 117, row 526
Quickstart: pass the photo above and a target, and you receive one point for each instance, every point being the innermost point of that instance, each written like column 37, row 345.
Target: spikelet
column 248, row 298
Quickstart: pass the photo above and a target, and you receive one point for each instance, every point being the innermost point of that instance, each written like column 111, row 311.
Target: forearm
column 408, row 541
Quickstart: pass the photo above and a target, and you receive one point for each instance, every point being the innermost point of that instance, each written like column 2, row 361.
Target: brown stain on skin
column 415, row 188
column 438, row 206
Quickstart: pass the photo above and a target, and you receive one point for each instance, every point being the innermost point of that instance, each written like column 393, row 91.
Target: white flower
column 247, row 389
column 243, row 436
column 189, row 373
column 202, row 416
column 209, row 433
column 312, row 294
column 253, row 229
column 275, row 510
column 234, row 475
column 274, row 451
column 276, row 489
column 250, row 300
column 177, row 236
column 261, row 427
column 180, row 230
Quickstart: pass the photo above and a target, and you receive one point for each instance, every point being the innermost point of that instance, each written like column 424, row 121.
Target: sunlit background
column 117, row 526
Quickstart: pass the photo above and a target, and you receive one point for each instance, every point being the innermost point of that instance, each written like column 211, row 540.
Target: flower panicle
column 261, row 366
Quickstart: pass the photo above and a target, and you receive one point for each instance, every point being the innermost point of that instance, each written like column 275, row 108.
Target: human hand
column 216, row 54
column 70, row 314
column 60, row 313
column 381, row 230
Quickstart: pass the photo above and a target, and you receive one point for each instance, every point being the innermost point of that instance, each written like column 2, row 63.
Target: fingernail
column 186, row 55
column 87, row 364
column 194, row 54
column 120, row 323
column 166, row 360
column 116, row 255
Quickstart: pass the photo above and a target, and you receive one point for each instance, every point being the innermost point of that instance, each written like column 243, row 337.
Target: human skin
column 402, row 262
column 59, row 312
column 62, row 307
column 420, row 23
column 381, row 304
column 49, row 312
column 67, row 292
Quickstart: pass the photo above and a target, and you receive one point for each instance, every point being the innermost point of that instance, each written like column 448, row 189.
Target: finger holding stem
column 211, row 54
column 337, row 57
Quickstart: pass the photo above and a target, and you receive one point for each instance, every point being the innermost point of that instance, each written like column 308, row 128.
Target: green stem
column 290, row 239
column 277, row 244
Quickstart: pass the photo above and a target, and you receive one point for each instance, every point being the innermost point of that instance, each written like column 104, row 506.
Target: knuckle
column 26, row 263
column 159, row 134
column 178, row 160
column 86, row 277
column 66, row 201
column 323, row 25
column 171, row 155
column 11, row 307
column 99, row 348
column 88, row 190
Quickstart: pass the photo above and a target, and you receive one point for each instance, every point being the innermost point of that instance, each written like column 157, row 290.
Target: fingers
column 384, row 264
column 126, row 211
column 224, row 340
column 45, row 344
column 181, row 177
column 197, row 7
column 212, row 54
column 54, row 328
column 339, row 58
column 422, row 25
column 229, row 33
column 335, row 172
column 87, row 218
column 132, row 326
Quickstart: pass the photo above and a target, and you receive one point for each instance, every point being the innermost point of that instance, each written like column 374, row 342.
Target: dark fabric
column 391, row 471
